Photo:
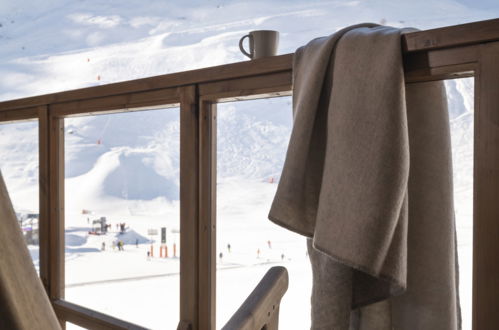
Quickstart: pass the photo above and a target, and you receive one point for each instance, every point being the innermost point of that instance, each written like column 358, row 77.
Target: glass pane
column 460, row 96
column 122, row 215
column 252, row 141
column 19, row 166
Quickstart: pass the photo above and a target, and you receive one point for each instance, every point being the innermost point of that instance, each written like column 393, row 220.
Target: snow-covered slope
column 128, row 164
column 57, row 45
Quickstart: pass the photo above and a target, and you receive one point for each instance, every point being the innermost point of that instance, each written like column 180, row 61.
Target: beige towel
column 369, row 179
column 24, row 305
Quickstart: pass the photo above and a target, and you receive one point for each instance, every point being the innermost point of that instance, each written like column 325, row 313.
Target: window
column 122, row 215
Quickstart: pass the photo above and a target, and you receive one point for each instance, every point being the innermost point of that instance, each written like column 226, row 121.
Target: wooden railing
column 450, row 52
column 261, row 309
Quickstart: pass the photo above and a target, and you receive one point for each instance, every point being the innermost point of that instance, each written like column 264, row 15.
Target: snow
column 126, row 166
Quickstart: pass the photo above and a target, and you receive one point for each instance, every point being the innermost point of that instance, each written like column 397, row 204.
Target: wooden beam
column 207, row 216
column 261, row 309
column 452, row 36
column 486, row 191
column 275, row 84
column 189, row 206
column 18, row 115
column 459, row 62
column 90, row 319
column 216, row 73
column 118, row 103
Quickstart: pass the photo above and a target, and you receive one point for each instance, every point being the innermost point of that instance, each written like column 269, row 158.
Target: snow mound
column 132, row 237
column 134, row 177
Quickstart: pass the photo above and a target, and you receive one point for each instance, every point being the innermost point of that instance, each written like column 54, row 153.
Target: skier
column 258, row 254
column 228, row 247
column 220, row 255
column 269, row 244
column 103, row 247
column 137, row 243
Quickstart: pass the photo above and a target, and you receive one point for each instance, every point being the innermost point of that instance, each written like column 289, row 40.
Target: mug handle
column 242, row 48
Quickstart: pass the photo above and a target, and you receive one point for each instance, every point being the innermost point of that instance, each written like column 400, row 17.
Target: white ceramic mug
column 262, row 43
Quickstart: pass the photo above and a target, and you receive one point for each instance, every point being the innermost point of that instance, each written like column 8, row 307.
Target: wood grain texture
column 91, row 319
column 189, row 205
column 207, row 216
column 261, row 309
column 486, row 192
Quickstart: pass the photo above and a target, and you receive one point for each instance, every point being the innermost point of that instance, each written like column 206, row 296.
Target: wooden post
column 189, row 206
column 486, row 191
column 51, row 149
column 44, row 200
column 207, row 218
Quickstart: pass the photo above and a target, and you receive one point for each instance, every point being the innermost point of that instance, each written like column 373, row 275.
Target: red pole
column 166, row 251
column 174, row 249
column 152, row 251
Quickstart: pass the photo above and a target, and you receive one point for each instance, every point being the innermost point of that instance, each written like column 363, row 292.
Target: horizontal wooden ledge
column 8, row 116
column 227, row 71
column 90, row 319
column 147, row 100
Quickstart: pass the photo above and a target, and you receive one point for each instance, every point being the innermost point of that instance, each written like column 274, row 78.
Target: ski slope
column 126, row 166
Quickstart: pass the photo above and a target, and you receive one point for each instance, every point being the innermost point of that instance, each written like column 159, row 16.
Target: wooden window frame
column 452, row 52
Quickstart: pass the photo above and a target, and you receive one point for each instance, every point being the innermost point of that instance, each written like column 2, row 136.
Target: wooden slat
column 90, row 319
column 486, row 192
column 441, row 73
column 247, row 88
column 207, row 217
column 56, row 211
column 44, row 197
column 51, row 167
column 18, row 115
column 453, row 56
column 117, row 103
column 452, row 36
column 451, row 63
column 189, row 203
column 261, row 308
column 227, row 71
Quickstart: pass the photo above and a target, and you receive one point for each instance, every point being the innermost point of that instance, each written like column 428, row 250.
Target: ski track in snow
column 126, row 166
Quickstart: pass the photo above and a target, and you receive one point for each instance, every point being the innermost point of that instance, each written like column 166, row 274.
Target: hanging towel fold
column 368, row 178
